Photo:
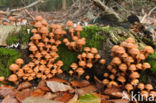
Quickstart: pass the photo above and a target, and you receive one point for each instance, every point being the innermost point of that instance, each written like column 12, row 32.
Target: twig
column 146, row 15
column 29, row 14
column 107, row 9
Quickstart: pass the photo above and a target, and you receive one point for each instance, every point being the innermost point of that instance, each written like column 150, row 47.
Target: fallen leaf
column 38, row 92
column 49, row 96
column 58, row 86
column 89, row 98
column 80, row 84
column 86, row 90
column 7, row 90
column 59, row 80
column 23, row 94
column 9, row 99
column 42, row 85
column 119, row 101
column 114, row 91
column 74, row 99
column 24, row 85
column 65, row 97
column 39, row 100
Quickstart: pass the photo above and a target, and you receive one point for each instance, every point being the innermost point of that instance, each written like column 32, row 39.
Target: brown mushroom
column 129, row 87
column 14, row 67
column 141, row 86
column 148, row 87
column 78, row 29
column 12, row 78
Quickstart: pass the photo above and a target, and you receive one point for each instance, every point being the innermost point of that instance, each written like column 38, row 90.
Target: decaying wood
column 107, row 9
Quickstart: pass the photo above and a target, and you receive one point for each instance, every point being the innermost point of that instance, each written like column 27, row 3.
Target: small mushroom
column 129, row 87
column 141, row 86
column 105, row 82
column 78, row 29
column 12, row 78
column 148, row 87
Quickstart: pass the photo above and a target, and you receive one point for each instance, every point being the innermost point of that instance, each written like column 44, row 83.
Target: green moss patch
column 22, row 37
column 8, row 57
column 94, row 36
column 67, row 56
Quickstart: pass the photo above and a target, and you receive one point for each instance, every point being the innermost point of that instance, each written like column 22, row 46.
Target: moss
column 67, row 56
column 93, row 35
column 151, row 59
column 8, row 57
column 22, row 37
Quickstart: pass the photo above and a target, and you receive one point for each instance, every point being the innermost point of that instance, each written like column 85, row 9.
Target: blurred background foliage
column 49, row 5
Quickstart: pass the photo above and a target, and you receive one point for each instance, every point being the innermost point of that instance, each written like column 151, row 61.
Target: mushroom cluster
column 86, row 60
column 76, row 43
column 15, row 21
column 43, row 48
column 125, row 67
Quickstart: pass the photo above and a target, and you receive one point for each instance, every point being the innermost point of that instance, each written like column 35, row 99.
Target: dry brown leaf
column 80, row 84
column 24, row 85
column 38, row 92
column 58, row 86
column 23, row 94
column 59, row 80
column 65, row 97
column 114, row 91
column 74, row 99
column 9, row 99
column 86, row 90
column 119, row 101
column 7, row 90
column 42, row 85
column 49, row 96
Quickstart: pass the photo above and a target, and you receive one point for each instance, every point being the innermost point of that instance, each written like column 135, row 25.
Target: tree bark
column 64, row 4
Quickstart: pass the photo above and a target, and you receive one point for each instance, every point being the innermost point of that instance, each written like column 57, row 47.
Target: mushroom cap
column 2, row 78
column 19, row 61
column 123, row 67
column 134, row 82
column 134, row 75
column 146, row 66
column 141, row 86
column 38, row 18
column 112, row 83
column 148, row 49
column 152, row 93
column 114, row 71
column 44, row 30
column 80, row 71
column 65, row 40
column 105, row 75
column 38, row 24
column 58, row 31
column 34, row 30
column 44, row 22
column 82, row 63
column 12, row 78
column 121, row 79
column 139, row 66
column 102, row 61
column 132, row 67
column 134, row 51
column 114, row 48
column 14, row 67
column 70, row 72
column 90, row 55
column 140, row 56
column 75, row 38
column 130, row 45
column 94, row 50
column 144, row 93
column 129, row 87
column 116, row 60
column 11, row 18
column 87, row 77
column 54, row 48
column 33, row 48
column 83, row 55
column 89, row 65
column 80, row 42
column 59, row 63
column 130, row 40
column 112, row 76
column 149, row 87
column 120, row 50
column 78, row 28
column 87, row 49
column 105, row 81
column 36, row 36
column 69, row 23
column 97, row 56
